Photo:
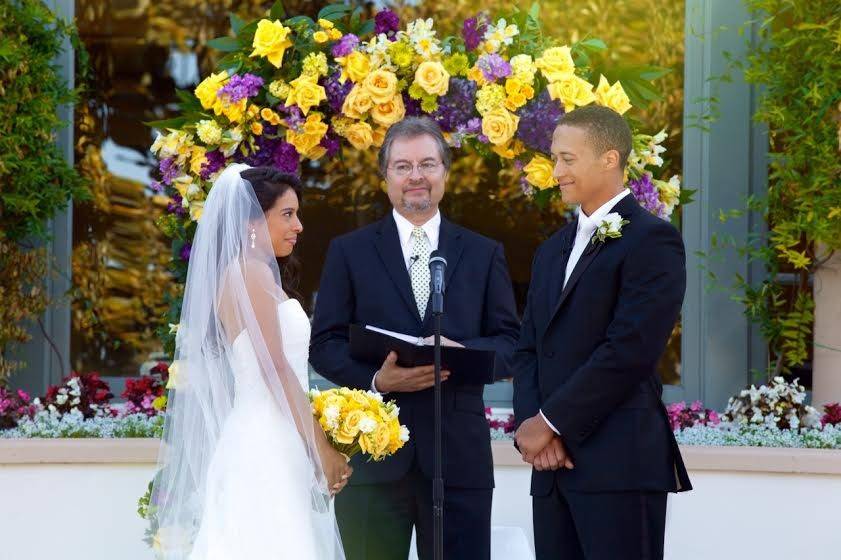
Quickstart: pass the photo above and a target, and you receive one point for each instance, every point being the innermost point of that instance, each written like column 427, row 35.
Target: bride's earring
column 253, row 237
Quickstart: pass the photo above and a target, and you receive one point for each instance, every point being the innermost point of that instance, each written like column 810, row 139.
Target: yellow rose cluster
column 359, row 421
column 302, row 89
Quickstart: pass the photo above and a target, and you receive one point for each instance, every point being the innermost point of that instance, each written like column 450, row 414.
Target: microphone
column 437, row 266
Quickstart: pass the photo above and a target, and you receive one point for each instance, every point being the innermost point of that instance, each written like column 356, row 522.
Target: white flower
column 500, row 34
column 331, row 415
column 404, row 434
column 422, row 37
column 367, row 425
column 61, row 399
column 611, row 227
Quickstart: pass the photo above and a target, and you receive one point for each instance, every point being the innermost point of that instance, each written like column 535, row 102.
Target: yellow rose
column 355, row 66
column 271, row 40
column 612, row 96
column 499, row 126
column 256, row 128
column 233, row 111
column 378, row 136
column 381, row 85
column 207, row 89
column 359, row 134
column 390, row 112
column 305, row 93
column 270, row 116
column 325, row 23
column 572, row 91
column 539, row 173
column 320, row 37
column 357, row 103
column 197, row 158
column 432, row 77
column 510, row 150
column 349, row 428
column 556, row 63
column 306, row 140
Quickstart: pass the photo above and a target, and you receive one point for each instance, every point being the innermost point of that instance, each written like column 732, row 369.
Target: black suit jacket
column 365, row 281
column 588, row 352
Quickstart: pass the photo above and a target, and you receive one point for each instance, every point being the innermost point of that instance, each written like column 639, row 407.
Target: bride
column 244, row 470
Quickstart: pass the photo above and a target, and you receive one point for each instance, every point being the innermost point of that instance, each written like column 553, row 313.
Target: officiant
column 378, row 275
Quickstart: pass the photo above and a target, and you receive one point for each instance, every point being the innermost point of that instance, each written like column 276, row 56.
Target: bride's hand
column 336, row 469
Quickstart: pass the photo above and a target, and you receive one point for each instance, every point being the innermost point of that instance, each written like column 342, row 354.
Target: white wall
column 88, row 512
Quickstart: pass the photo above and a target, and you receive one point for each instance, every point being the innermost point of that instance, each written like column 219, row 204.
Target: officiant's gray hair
column 412, row 127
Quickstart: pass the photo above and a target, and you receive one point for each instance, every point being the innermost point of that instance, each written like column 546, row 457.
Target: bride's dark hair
column 269, row 184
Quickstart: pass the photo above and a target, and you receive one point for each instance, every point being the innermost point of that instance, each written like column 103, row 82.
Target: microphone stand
column 437, row 309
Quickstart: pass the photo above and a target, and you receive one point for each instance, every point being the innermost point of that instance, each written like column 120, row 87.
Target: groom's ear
column 610, row 159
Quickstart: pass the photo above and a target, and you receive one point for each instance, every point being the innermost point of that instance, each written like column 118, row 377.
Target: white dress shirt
column 432, row 228
column 587, row 226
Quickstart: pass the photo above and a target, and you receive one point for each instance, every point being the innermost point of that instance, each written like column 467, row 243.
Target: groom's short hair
column 412, row 127
column 606, row 129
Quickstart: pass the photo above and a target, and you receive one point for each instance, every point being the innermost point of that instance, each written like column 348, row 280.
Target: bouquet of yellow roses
column 356, row 420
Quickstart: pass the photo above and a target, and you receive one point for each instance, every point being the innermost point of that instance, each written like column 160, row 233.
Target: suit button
column 549, row 354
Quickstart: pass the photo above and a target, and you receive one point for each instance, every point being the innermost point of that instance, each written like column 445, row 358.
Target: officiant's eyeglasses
column 426, row 168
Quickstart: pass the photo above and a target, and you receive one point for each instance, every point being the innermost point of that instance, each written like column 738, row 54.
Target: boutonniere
column 610, row 228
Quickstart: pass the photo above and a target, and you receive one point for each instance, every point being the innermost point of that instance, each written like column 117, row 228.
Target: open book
column 467, row 366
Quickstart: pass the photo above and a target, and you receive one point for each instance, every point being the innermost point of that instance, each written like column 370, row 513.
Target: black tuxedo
column 365, row 281
column 587, row 358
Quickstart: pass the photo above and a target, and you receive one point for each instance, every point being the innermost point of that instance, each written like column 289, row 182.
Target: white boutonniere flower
column 611, row 227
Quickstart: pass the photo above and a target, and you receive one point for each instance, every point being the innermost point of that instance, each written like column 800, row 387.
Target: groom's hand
column 533, row 435
column 553, row 457
column 392, row 378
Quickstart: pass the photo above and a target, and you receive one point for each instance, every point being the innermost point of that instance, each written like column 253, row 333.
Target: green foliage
column 35, row 179
column 796, row 61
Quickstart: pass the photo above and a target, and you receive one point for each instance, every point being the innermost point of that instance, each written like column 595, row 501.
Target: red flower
column 832, row 414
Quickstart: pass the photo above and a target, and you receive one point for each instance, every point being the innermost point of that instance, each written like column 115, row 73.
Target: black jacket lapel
column 450, row 246
column 388, row 246
column 625, row 208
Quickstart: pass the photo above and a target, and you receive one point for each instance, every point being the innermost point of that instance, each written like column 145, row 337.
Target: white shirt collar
column 432, row 229
column 592, row 221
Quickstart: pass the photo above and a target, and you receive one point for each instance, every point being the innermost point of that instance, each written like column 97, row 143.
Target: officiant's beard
column 417, row 207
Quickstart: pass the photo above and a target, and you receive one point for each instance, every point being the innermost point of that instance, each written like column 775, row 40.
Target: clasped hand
column 540, row 446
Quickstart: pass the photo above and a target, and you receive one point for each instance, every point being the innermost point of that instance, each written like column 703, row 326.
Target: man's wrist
column 548, row 423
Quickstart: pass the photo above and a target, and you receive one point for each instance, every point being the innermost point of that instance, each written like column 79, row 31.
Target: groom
column 379, row 276
column 605, row 293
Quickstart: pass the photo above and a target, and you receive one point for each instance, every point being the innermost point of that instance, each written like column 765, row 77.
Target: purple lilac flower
column 156, row 187
column 337, row 91
column 295, row 118
column 266, row 144
column 241, row 87
column 538, row 118
column 473, row 30
column 176, row 206
column 646, row 193
column 493, row 67
column 413, row 106
column 213, row 162
column 345, row 45
column 386, row 22
column 483, row 139
column 331, row 142
column 169, row 170
column 185, row 251
column 286, row 157
column 457, row 106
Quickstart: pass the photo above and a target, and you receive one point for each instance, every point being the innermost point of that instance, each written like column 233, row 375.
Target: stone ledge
column 697, row 458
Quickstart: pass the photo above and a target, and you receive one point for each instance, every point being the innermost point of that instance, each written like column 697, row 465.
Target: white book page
column 405, row 337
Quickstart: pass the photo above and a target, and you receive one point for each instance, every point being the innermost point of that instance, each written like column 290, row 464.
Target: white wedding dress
column 258, row 502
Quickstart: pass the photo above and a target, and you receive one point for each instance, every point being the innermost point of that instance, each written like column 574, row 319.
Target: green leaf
column 334, row 12
column 300, row 22
column 366, row 28
column 593, row 44
column 277, row 11
column 534, row 11
column 237, row 23
column 176, row 122
column 355, row 18
column 224, row 44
